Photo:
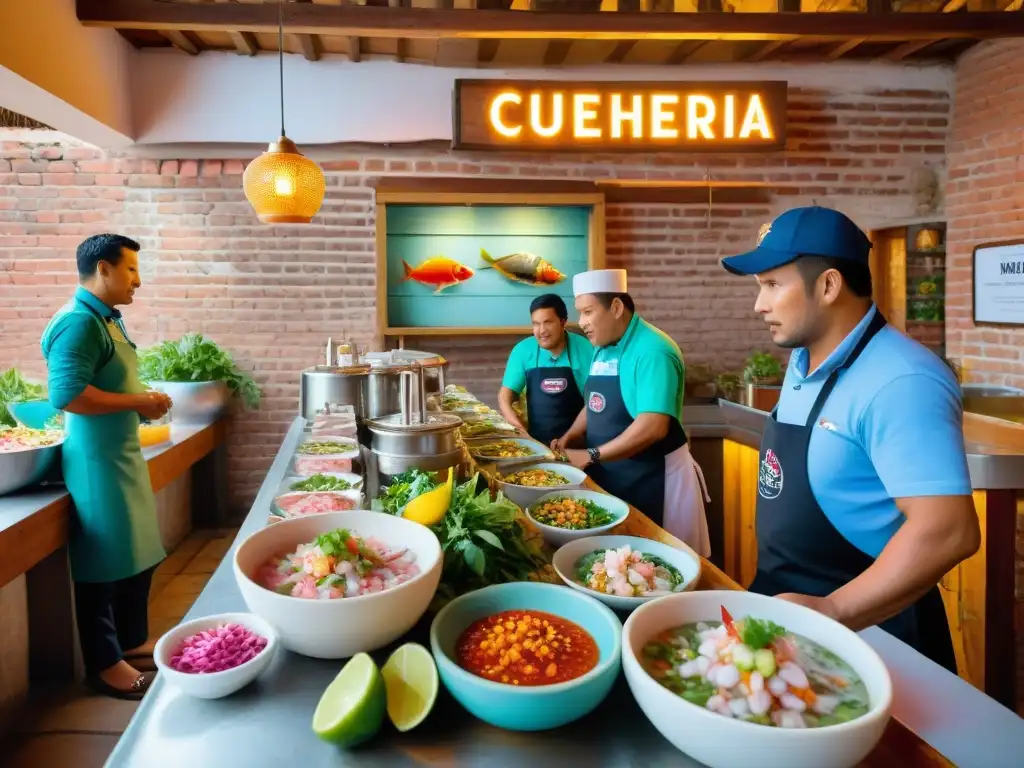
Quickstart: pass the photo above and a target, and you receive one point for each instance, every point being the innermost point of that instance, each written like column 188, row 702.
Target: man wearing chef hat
column 636, row 446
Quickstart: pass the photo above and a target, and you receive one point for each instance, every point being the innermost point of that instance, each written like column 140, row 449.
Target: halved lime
column 410, row 677
column 352, row 708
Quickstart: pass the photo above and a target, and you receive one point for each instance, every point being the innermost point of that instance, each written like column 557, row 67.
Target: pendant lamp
column 282, row 185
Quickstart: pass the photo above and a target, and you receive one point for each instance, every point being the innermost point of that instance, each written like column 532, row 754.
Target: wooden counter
column 188, row 477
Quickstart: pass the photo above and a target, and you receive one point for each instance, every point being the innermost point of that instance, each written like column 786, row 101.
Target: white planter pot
column 195, row 402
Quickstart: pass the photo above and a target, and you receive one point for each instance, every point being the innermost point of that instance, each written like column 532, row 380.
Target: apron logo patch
column 553, row 386
column 769, row 478
column 597, row 402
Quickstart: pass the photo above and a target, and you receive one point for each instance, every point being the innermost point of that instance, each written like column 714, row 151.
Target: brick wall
column 273, row 295
column 984, row 200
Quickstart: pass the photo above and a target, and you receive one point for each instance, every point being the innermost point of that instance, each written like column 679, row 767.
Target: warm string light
column 282, row 185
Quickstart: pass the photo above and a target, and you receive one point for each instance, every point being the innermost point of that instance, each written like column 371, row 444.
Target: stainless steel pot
column 383, row 391
column 326, row 385
column 414, row 438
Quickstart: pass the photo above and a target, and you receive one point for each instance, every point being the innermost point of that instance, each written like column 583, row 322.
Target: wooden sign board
column 999, row 283
column 666, row 116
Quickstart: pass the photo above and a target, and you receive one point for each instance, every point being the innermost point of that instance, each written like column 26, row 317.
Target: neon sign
column 614, row 116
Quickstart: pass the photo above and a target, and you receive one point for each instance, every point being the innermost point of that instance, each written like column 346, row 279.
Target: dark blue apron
column 639, row 480
column 553, row 401
column 800, row 550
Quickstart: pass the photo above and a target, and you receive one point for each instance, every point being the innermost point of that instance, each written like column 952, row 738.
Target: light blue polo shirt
column 892, row 428
column 650, row 368
column 527, row 355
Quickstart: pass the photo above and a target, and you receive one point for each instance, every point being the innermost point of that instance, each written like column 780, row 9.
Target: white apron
column 685, row 494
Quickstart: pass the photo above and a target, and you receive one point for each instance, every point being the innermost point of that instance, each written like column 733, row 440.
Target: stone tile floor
column 71, row 726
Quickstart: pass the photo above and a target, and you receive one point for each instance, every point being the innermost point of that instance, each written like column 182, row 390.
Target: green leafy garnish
column 483, row 539
column 322, row 482
column 759, row 633
column 192, row 359
column 15, row 388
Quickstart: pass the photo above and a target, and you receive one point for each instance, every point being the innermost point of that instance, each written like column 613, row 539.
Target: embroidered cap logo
column 765, row 229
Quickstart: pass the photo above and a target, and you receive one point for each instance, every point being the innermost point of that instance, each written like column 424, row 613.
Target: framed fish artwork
column 471, row 263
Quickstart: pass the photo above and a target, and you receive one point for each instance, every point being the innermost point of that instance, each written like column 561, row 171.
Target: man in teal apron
column 552, row 366
column 115, row 543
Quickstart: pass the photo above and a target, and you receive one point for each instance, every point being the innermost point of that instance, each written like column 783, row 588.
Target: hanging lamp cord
column 280, row 57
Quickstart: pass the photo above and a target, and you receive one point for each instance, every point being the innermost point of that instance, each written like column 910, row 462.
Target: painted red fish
column 438, row 272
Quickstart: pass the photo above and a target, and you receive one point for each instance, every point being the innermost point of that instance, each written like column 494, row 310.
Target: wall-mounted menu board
column 475, row 267
column 999, row 283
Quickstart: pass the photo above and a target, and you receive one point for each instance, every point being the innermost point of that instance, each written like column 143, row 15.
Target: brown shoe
column 134, row 693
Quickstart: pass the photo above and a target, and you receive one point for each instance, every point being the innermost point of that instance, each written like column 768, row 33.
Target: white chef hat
column 599, row 281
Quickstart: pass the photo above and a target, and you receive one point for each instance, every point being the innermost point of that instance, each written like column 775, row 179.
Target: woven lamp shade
column 283, row 186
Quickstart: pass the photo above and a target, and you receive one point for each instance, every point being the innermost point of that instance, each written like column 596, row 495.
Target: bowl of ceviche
column 527, row 656
column 624, row 572
column 527, row 483
column 214, row 656
column 726, row 676
column 339, row 583
column 562, row 516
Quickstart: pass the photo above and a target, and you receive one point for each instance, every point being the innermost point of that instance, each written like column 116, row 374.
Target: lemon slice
column 430, row 508
column 352, row 708
column 410, row 678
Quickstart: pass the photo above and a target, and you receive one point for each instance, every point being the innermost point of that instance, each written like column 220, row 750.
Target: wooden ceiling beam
column 556, row 52
column 181, row 41
column 487, row 50
column 373, row 21
column 843, row 48
column 901, row 52
column 767, row 50
column 620, row 52
column 686, row 51
column 355, row 52
column 245, row 43
column 311, row 46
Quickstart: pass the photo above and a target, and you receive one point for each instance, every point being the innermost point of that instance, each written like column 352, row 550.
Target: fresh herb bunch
column 195, row 359
column 15, row 388
column 321, row 482
column 483, row 539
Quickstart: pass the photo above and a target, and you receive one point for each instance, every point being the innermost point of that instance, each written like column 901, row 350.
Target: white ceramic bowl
column 195, row 402
column 525, row 495
column 337, row 629
column 722, row 742
column 559, row 536
column 215, row 684
column 684, row 560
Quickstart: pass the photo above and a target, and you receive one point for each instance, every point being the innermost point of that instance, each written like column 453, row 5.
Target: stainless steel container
column 20, row 469
column 383, row 396
column 413, row 438
column 326, row 385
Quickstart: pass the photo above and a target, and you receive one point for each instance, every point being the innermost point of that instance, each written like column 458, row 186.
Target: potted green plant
column 763, row 378
column 199, row 377
column 728, row 386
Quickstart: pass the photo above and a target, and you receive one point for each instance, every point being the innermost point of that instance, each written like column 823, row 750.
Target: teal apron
column 115, row 533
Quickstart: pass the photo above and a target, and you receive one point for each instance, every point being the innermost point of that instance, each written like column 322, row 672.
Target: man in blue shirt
column 552, row 366
column 864, row 496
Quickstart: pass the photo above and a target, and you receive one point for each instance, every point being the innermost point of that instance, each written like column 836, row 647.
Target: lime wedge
column 351, row 710
column 410, row 677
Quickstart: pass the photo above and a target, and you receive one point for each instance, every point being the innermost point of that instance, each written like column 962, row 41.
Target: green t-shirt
column 527, row 355
column 650, row 369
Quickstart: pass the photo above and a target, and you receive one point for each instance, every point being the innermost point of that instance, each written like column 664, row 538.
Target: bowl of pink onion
column 216, row 655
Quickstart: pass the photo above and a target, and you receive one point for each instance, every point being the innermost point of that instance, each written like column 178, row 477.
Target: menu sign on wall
column 668, row 116
column 999, row 283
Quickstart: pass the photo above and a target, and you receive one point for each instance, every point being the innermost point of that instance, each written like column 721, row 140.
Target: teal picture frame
column 470, row 263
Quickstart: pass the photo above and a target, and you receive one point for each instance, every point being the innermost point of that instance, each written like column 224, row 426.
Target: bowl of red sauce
column 527, row 656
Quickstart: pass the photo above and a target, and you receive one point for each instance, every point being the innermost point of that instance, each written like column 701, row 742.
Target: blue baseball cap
column 813, row 231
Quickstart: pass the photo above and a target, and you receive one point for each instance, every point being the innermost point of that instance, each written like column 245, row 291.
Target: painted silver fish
column 524, row 267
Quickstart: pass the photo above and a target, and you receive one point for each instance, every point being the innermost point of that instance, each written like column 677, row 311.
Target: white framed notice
column 999, row 283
